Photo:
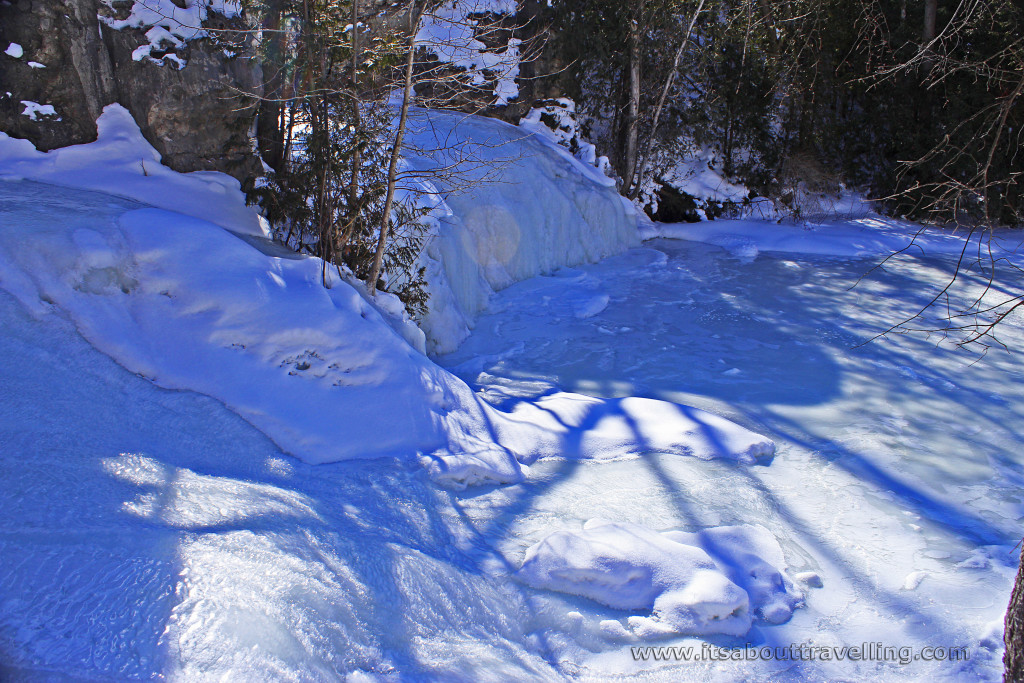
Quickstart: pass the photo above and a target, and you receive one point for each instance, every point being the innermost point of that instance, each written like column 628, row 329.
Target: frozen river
column 149, row 533
column 898, row 471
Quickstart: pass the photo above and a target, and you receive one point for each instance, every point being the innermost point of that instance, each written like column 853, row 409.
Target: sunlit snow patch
column 716, row 581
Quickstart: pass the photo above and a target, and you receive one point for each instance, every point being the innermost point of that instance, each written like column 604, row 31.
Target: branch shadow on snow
column 783, row 364
column 160, row 534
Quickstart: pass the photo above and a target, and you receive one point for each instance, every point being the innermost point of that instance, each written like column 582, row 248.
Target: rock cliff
column 62, row 61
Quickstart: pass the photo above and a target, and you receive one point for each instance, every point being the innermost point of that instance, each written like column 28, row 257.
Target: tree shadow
column 812, row 360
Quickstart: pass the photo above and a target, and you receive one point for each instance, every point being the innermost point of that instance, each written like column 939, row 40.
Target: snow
column 893, row 491
column 121, row 162
column 688, row 581
column 871, row 235
column 221, row 310
column 698, row 177
column 147, row 467
column 37, row 112
column 566, row 132
column 518, row 205
column 14, row 50
column 167, row 23
column 448, row 31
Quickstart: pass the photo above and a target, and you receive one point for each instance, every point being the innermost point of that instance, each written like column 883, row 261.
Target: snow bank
column 121, row 162
column 869, row 236
column 220, row 310
column 517, row 205
column 716, row 581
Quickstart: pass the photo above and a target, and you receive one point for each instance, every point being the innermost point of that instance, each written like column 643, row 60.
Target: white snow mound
column 716, row 581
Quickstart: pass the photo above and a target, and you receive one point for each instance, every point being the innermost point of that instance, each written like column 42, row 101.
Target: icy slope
column 515, row 205
column 193, row 306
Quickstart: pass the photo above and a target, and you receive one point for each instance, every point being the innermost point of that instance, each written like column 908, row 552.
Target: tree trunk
column 270, row 132
column 396, row 153
column 1013, row 633
column 633, row 118
column 931, row 9
column 353, row 188
column 661, row 104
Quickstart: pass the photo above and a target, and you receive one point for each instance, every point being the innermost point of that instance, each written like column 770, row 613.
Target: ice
column 14, row 50
column 698, row 584
column 518, row 205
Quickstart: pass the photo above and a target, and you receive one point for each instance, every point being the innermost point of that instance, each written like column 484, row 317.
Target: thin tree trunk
column 661, row 104
column 269, row 128
column 633, row 118
column 1013, row 633
column 396, row 153
column 931, row 10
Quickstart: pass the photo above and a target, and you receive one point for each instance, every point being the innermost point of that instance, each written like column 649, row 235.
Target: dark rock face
column 193, row 116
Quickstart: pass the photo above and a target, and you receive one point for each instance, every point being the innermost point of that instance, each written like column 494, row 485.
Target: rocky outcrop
column 67, row 59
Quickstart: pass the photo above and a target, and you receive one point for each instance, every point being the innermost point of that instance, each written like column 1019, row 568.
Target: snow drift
column 227, row 313
column 716, row 581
